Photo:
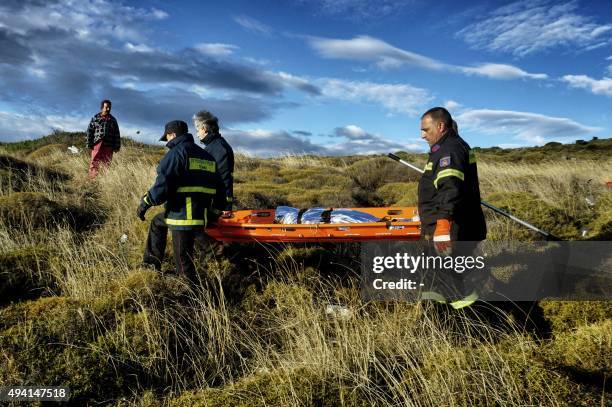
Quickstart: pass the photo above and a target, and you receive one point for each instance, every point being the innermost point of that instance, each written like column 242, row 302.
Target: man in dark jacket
column 103, row 138
column 189, row 184
column 449, row 194
column 207, row 126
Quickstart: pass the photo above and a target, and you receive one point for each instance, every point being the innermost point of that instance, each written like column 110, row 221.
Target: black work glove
column 142, row 208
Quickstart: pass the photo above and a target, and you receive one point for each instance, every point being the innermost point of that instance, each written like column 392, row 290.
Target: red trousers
column 99, row 155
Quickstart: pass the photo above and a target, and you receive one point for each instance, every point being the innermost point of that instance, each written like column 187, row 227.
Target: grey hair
column 207, row 120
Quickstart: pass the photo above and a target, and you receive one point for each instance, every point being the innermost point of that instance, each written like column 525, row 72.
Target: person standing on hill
column 103, row 138
column 449, row 194
column 189, row 185
column 207, row 126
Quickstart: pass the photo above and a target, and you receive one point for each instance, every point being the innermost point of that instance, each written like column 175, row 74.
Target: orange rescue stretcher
column 395, row 223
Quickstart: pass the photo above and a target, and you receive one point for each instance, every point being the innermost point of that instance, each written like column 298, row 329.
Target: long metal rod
column 547, row 235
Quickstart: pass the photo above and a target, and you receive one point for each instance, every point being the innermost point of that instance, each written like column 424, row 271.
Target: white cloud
column 530, row 26
column 298, row 82
column 270, row 143
column 597, row 86
column 359, row 10
column 352, row 132
column 267, row 143
column 398, row 98
column 386, row 56
column 201, row 91
column 15, row 126
column 502, row 71
column 137, row 47
column 159, row 14
column 82, row 18
column 452, row 105
column 253, row 25
column 216, row 49
column 365, row 48
column 359, row 141
column 533, row 128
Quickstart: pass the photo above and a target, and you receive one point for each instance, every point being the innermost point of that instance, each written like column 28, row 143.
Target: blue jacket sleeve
column 168, row 171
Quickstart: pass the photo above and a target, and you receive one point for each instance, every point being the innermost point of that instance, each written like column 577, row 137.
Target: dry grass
column 555, row 183
column 115, row 332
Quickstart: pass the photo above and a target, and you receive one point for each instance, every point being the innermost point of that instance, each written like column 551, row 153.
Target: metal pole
column 547, row 235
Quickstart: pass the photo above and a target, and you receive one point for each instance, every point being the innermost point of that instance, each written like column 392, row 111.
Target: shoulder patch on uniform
column 445, row 161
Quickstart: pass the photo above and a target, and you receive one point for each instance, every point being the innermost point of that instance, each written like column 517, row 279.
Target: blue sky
column 311, row 76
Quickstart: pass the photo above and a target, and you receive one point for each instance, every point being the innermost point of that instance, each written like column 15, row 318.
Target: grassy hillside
column 77, row 310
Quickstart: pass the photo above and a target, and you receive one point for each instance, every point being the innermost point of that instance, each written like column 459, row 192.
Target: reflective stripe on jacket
column 188, row 183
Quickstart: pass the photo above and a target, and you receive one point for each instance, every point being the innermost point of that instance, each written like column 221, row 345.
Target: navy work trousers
column 183, row 242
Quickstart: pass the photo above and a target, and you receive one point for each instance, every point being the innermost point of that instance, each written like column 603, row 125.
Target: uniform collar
column 210, row 138
column 437, row 146
column 187, row 137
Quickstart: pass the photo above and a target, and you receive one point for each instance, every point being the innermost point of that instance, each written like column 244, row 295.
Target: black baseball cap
column 175, row 126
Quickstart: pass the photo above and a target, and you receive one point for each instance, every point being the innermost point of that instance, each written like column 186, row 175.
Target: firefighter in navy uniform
column 190, row 186
column 207, row 127
column 449, row 195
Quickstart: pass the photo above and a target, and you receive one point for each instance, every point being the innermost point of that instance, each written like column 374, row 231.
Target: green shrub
column 293, row 256
column 299, row 386
column 45, row 151
column 399, row 193
column 139, row 289
column 278, row 300
column 600, row 227
column 370, row 174
column 22, row 208
column 323, row 197
column 587, row 349
column 57, row 137
column 100, row 348
column 15, row 174
column 24, row 273
column 545, row 216
column 260, row 173
column 33, row 209
column 312, row 178
column 509, row 373
column 567, row 315
column 50, row 341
